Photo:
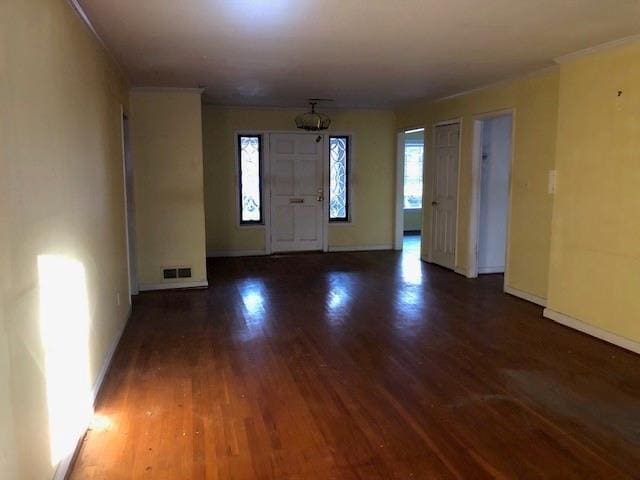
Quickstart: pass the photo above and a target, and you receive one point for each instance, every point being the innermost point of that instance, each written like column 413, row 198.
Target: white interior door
column 296, row 192
column 445, row 195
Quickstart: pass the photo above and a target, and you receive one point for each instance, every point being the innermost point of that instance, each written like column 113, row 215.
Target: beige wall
column 166, row 133
column 595, row 255
column 62, row 199
column 373, row 175
column 535, row 102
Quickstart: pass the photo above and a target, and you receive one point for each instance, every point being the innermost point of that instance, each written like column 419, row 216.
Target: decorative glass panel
column 338, row 208
column 413, row 155
column 250, row 179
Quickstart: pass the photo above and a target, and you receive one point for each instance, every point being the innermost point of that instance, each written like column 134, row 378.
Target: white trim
column 236, row 253
column 558, row 60
column 123, row 135
column 326, row 185
column 496, row 269
column 499, row 83
column 462, row 271
column 62, row 469
column 360, row 248
column 129, row 221
column 476, row 188
column 266, row 194
column 266, row 183
column 82, row 15
column 592, row 330
column 398, row 237
column 529, row 297
column 265, row 199
column 444, row 123
column 428, row 206
column 149, row 287
column 603, row 47
column 351, row 185
column 142, row 89
column 85, row 18
column 109, row 357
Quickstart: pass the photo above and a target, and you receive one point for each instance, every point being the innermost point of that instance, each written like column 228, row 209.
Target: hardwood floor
column 359, row 366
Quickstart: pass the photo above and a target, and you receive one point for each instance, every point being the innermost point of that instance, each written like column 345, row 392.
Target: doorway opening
column 410, row 187
column 492, row 172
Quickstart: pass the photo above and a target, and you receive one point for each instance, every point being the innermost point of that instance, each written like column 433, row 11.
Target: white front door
column 296, row 192
column 445, row 195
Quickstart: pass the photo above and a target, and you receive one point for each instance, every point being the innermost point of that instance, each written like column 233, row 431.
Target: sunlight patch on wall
column 64, row 330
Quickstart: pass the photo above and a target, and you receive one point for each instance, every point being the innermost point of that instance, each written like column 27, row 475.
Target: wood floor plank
column 359, row 366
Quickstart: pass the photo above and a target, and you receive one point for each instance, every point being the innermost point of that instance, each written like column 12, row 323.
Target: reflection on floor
column 359, row 366
column 411, row 245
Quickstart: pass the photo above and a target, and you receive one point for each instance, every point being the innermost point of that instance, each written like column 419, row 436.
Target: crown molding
column 82, row 15
column 194, row 91
column 85, row 18
column 499, row 83
column 603, row 47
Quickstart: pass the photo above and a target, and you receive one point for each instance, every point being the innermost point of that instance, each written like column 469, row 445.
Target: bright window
column 339, row 179
column 413, row 155
column 250, row 148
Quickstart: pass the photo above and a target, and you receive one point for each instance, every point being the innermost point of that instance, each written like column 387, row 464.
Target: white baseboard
column 592, row 330
column 462, row 271
column 62, row 470
column 337, row 248
column 529, row 297
column 359, row 248
column 238, row 253
column 491, row 269
column 149, row 287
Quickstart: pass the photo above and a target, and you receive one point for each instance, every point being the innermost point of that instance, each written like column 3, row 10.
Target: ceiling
column 362, row 53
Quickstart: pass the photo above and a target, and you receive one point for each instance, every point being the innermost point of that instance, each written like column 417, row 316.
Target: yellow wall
column 166, row 132
column 595, row 255
column 373, row 175
column 535, row 100
column 61, row 198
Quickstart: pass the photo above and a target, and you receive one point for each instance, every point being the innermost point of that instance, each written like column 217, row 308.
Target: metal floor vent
column 172, row 273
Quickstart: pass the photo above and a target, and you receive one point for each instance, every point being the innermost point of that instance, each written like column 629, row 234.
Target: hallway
column 358, row 365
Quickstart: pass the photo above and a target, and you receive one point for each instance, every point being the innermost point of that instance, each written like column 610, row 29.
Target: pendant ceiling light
column 313, row 121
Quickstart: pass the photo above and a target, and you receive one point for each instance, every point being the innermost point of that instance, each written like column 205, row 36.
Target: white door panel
column 283, row 222
column 445, row 195
column 306, row 223
column 282, row 177
column 296, row 192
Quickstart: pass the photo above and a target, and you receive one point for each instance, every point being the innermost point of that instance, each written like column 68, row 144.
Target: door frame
column 476, row 188
column 444, row 123
column 266, row 181
column 129, row 221
column 398, row 237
